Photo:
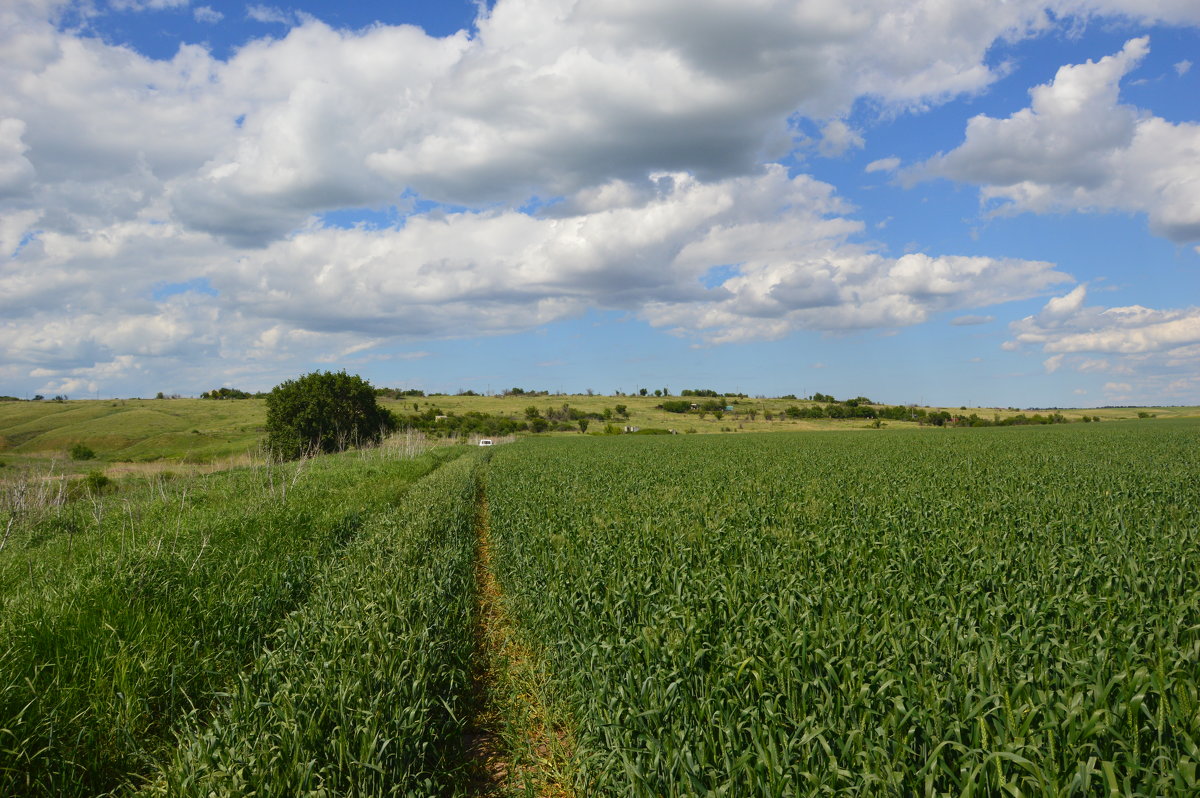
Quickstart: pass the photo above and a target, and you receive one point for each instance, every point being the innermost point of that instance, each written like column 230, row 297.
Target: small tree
column 583, row 425
column 323, row 412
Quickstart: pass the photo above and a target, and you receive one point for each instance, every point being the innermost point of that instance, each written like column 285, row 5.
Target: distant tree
column 622, row 410
column 658, row 391
column 226, row 393
column 539, row 424
column 159, row 395
column 583, row 425
column 323, row 412
column 641, row 391
column 532, row 412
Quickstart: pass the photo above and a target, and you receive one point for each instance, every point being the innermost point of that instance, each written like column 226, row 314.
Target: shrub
column 96, row 482
column 81, row 451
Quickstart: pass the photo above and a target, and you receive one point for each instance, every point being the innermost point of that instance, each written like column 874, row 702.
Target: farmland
column 985, row 611
column 890, row 612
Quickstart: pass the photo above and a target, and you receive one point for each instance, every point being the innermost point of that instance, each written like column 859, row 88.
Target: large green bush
column 323, row 412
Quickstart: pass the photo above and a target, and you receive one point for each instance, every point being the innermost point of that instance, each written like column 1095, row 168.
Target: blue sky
column 970, row 203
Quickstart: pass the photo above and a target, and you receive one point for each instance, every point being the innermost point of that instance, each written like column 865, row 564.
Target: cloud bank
column 563, row 156
column 1158, row 349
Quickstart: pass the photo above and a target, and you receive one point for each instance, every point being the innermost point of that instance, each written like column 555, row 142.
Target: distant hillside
column 126, row 434
column 134, row 430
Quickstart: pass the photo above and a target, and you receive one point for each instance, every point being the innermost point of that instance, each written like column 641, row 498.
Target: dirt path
column 511, row 744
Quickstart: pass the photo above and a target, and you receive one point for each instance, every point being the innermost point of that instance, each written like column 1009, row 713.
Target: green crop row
column 123, row 614
column 976, row 612
column 364, row 690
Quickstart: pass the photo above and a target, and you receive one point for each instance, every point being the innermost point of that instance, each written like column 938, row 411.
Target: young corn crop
column 123, row 615
column 364, row 690
column 966, row 612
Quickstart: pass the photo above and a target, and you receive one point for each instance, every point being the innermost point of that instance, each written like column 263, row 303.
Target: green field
column 992, row 611
column 995, row 611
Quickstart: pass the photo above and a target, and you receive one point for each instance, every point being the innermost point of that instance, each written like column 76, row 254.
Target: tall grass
column 123, row 614
column 364, row 690
column 979, row 612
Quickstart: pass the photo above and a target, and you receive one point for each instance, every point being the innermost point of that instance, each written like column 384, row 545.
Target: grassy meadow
column 130, row 435
column 820, row 610
column 125, row 615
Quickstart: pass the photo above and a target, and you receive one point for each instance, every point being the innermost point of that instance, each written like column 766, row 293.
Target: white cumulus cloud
column 207, row 14
column 883, row 165
column 1076, row 147
column 1148, row 343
